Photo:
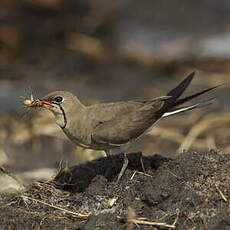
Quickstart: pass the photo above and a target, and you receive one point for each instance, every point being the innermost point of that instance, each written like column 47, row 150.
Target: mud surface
column 189, row 192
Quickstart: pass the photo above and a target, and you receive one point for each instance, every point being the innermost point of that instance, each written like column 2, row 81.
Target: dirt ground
column 189, row 192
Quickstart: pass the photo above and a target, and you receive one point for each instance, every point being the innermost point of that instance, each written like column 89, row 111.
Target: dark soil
column 191, row 192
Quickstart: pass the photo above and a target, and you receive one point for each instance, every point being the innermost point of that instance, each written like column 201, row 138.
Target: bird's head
column 62, row 104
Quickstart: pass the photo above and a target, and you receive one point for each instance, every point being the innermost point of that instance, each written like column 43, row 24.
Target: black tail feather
column 171, row 103
column 176, row 93
column 188, row 98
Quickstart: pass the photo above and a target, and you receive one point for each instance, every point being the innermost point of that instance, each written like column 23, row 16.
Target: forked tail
column 169, row 108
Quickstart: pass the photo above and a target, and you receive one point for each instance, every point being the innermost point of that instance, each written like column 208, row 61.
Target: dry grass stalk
column 75, row 214
column 145, row 222
column 167, row 133
column 211, row 142
column 202, row 126
column 221, row 193
column 135, row 172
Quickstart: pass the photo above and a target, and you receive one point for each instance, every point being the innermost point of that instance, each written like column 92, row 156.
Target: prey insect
column 37, row 103
column 31, row 102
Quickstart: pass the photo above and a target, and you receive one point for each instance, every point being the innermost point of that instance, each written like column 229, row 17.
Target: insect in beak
column 37, row 103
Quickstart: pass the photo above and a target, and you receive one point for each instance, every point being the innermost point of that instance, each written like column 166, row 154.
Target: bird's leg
column 110, row 153
column 109, row 171
column 142, row 163
column 124, row 167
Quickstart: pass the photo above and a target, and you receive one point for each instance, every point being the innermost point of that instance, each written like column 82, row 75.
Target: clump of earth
column 189, row 192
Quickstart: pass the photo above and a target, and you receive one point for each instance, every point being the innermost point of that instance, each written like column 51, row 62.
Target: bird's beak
column 45, row 104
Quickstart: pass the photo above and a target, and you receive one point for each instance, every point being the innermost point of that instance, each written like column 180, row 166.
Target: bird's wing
column 129, row 123
column 131, row 119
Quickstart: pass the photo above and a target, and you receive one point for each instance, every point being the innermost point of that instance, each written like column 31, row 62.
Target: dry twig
column 75, row 214
column 145, row 222
column 204, row 125
column 135, row 172
column 221, row 193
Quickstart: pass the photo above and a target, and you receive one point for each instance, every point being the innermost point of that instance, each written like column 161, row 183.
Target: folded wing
column 128, row 125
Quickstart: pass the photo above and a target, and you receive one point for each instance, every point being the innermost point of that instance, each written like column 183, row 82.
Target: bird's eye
column 58, row 99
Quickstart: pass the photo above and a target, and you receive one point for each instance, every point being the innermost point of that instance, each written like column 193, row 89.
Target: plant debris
column 189, row 192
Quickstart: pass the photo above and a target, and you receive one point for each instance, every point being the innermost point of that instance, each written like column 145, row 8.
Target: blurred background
column 109, row 51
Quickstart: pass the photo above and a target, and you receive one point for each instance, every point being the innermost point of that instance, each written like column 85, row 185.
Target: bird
column 113, row 126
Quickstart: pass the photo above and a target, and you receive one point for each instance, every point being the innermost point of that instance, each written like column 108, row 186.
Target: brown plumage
column 111, row 126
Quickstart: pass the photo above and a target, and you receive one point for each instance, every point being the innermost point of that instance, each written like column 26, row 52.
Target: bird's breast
column 83, row 140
